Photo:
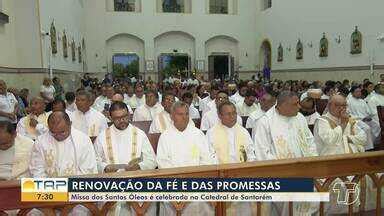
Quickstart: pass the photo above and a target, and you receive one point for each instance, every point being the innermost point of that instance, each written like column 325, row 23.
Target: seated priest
column 183, row 145
column 150, row 109
column 87, row 119
column 15, row 153
column 211, row 118
column 124, row 147
column 35, row 123
column 248, row 105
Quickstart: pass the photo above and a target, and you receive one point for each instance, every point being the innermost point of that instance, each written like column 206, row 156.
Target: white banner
column 200, row 197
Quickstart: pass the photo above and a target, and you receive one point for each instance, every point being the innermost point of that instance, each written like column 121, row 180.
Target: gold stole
column 42, row 119
column 221, row 144
column 162, row 122
column 109, row 152
column 351, row 122
column 23, row 148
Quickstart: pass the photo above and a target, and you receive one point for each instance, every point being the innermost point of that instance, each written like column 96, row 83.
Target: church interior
column 255, row 88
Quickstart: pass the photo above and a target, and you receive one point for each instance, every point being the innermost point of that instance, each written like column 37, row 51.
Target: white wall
column 7, row 35
column 287, row 21
column 147, row 25
column 68, row 15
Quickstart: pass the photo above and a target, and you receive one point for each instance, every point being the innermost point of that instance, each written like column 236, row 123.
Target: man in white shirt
column 307, row 108
column 35, row 123
column 267, row 101
column 15, row 153
column 63, row 151
column 248, row 105
column 359, row 109
column 187, row 98
column 205, row 101
column 283, row 133
column 47, row 92
column 101, row 100
column 238, row 97
column 8, row 104
column 138, row 99
column 70, row 98
column 377, row 99
column 85, row 118
column 184, row 145
column 162, row 121
column 150, row 109
column 211, row 118
column 232, row 144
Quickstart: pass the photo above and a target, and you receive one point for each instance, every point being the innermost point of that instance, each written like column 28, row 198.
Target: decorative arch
column 265, row 54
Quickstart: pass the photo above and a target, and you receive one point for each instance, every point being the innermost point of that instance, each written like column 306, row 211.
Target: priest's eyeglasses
column 124, row 118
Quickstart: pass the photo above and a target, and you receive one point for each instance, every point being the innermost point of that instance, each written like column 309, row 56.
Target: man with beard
column 124, row 147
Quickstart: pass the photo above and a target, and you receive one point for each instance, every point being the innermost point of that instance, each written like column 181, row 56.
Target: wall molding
column 351, row 68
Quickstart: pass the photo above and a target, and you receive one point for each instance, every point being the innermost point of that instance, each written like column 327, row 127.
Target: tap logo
column 44, row 189
column 347, row 193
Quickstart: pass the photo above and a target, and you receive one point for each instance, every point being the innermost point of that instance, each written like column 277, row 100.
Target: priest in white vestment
column 163, row 121
column 124, row 147
column 15, row 153
column 211, row 118
column 150, row 109
column 337, row 133
column 283, row 133
column 360, row 110
column 267, row 101
column 249, row 104
column 203, row 106
column 35, row 123
column 307, row 108
column 232, row 144
column 187, row 98
column 138, row 99
column 239, row 96
column 184, row 145
column 85, row 118
column 377, row 99
column 63, row 151
column 103, row 102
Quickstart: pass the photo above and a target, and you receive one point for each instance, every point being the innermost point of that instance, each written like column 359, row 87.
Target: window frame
column 215, row 4
column 129, row 5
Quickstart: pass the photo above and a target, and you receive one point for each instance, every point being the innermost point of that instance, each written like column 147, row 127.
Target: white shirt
column 331, row 141
column 47, row 91
column 91, row 122
column 211, row 118
column 312, row 118
column 233, row 152
column 71, row 107
column 245, row 110
column 7, row 104
column 121, row 141
column 373, row 102
column 358, row 108
column 236, row 98
column 41, row 127
column 188, row 148
column 15, row 160
column 204, row 104
column 163, row 118
column 281, row 137
column 146, row 113
column 193, row 112
column 253, row 117
column 136, row 102
column 100, row 102
column 73, row 156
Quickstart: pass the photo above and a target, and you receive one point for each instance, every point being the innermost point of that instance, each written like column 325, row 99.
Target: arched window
column 173, row 6
column 124, row 5
column 218, row 6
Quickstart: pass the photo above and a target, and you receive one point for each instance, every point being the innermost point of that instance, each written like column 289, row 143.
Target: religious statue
column 79, row 54
column 65, row 45
column 356, row 42
column 53, row 38
column 323, row 46
column 299, row 50
column 73, row 50
column 280, row 53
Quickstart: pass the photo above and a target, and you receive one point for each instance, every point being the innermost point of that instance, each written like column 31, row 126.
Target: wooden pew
column 143, row 125
column 380, row 113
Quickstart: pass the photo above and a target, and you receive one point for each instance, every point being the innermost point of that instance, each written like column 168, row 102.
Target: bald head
column 117, row 97
column 37, row 105
column 337, row 105
column 59, row 125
